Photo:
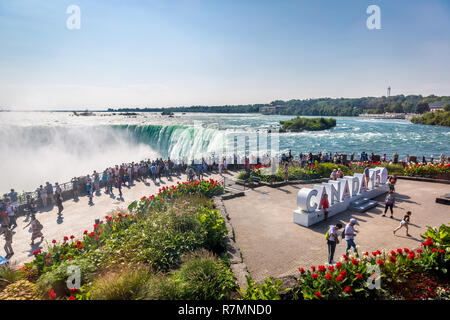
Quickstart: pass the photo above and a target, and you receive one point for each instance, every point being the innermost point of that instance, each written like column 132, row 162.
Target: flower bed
column 401, row 273
column 296, row 172
column 155, row 234
column 437, row 171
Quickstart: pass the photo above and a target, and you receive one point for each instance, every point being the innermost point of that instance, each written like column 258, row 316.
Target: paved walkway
column 78, row 216
column 273, row 245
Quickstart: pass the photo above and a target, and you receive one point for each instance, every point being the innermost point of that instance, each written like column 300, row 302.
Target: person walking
column 14, row 199
column 332, row 240
column 11, row 215
column 36, row 227
column 286, row 171
column 31, row 205
column 43, row 196
column 89, row 191
column 3, row 213
column 75, row 185
column 350, row 234
column 119, row 185
column 49, row 189
column 390, row 200
column 7, row 233
column 59, row 200
column 404, row 223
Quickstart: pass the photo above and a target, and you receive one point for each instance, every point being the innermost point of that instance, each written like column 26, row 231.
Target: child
column 405, row 223
column 390, row 200
column 325, row 206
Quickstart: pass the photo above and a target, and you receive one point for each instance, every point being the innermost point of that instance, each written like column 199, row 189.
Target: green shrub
column 202, row 276
column 308, row 124
column 56, row 279
column 440, row 236
column 243, row 175
column 214, row 226
column 128, row 284
column 269, row 290
column 162, row 287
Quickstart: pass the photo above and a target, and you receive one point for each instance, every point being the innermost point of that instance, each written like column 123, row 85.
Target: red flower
column 338, row 265
column 331, row 268
column 392, row 259
column 380, row 262
column 343, row 273
column 339, row 278
column 315, row 276
column 73, row 290
column 355, row 262
column 328, row 276
column 72, row 236
column 434, row 250
column 302, row 271
column 399, row 251
column 313, row 268
column 72, row 298
column 345, row 257
column 95, row 226
column 53, row 241
column 51, row 294
column 318, row 294
column 406, row 250
column 85, row 231
column 358, row 276
column 411, row 255
column 348, row 289
column 441, row 251
column 322, row 269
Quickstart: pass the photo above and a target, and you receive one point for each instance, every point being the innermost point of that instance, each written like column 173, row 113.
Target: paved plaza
column 273, row 245
column 79, row 215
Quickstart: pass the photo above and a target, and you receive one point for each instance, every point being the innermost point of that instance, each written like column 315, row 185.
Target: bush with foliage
column 299, row 124
column 269, row 290
column 297, row 172
column 204, row 277
column 439, row 118
column 428, row 170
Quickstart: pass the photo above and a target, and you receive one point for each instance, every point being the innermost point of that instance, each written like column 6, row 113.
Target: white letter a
column 74, row 21
column 374, row 21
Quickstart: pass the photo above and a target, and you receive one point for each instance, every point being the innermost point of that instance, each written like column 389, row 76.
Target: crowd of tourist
column 149, row 171
column 345, row 159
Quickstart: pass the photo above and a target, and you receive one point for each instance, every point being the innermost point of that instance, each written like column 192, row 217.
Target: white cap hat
column 353, row 220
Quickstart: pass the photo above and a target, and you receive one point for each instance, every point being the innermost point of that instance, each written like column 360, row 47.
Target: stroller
column 3, row 261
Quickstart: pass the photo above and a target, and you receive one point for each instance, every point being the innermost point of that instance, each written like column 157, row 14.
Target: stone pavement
column 78, row 216
column 273, row 245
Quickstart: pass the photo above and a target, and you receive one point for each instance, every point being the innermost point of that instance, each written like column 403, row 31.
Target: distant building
column 271, row 109
column 438, row 105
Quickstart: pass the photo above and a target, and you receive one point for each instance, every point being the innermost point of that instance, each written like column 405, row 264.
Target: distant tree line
column 438, row 118
column 318, row 107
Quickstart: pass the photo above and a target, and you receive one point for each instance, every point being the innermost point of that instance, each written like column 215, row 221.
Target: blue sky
column 215, row 52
